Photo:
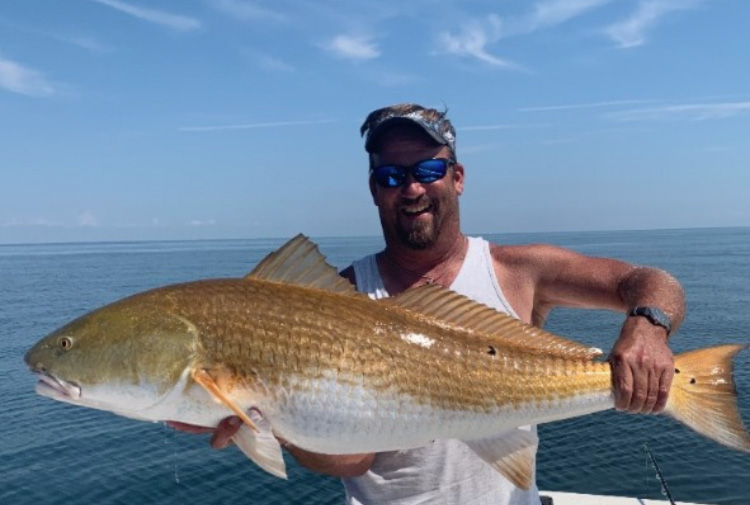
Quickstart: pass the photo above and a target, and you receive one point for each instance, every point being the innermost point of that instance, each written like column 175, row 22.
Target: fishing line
column 650, row 461
column 175, row 466
column 662, row 480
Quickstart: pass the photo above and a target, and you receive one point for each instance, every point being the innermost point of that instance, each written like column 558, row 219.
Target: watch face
column 655, row 315
column 660, row 316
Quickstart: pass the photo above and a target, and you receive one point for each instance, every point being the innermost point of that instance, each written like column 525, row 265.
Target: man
column 415, row 181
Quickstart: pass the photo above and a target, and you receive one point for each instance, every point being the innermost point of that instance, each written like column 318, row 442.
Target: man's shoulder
column 348, row 273
column 520, row 254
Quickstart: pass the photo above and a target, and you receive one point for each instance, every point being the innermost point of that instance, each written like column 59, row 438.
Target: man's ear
column 458, row 177
column 373, row 189
column 372, row 158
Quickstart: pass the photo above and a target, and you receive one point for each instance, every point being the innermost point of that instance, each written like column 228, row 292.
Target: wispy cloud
column 685, row 112
column 478, row 148
column 473, row 39
column 502, row 127
column 174, row 21
column 202, row 222
column 251, row 125
column 17, row 78
column 592, row 105
column 547, row 14
column 246, row 11
column 555, row 12
column 268, row 62
column 557, row 142
column 27, row 222
column 87, row 43
column 88, row 219
column 353, row 47
column 393, row 79
column 631, row 32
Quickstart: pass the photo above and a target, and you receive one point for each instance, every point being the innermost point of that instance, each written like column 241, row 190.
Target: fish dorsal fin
column 459, row 311
column 300, row 262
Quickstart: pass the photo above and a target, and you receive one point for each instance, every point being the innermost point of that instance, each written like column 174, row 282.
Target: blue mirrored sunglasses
column 424, row 172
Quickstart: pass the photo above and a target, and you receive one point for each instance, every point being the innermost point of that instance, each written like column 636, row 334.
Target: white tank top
column 445, row 471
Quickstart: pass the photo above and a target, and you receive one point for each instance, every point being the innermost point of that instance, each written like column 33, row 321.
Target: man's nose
column 411, row 188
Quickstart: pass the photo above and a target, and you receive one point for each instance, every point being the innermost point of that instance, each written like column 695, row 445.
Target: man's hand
column 642, row 367
column 222, row 434
column 347, row 465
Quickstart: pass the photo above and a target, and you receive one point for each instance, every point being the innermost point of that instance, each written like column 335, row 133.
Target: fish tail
column 703, row 395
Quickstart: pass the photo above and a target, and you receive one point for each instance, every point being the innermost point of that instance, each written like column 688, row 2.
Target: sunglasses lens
column 427, row 171
column 389, row 176
column 430, row 170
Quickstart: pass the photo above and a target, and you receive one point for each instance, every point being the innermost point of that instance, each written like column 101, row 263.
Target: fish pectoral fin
column 202, row 377
column 513, row 455
column 255, row 437
column 261, row 447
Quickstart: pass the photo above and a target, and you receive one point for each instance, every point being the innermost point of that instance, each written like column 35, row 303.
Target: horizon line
column 327, row 237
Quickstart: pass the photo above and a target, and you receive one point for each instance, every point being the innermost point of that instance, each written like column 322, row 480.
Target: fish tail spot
column 703, row 395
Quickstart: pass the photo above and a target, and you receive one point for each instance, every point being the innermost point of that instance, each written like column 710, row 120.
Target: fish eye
column 66, row 343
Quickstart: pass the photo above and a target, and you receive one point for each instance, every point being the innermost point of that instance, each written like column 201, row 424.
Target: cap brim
column 374, row 135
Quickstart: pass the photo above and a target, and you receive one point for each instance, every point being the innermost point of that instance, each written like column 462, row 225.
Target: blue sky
column 135, row 120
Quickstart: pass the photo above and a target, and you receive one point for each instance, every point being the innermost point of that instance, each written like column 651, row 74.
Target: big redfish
column 332, row 371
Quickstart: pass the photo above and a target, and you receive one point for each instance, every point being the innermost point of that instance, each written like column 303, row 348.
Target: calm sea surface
column 53, row 453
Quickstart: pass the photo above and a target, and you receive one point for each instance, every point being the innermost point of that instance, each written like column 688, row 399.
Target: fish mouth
column 57, row 389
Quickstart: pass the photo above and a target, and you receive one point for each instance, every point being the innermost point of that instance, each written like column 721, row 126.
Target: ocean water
column 53, row 453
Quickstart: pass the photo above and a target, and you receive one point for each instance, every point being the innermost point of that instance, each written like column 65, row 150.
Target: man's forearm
column 344, row 465
column 644, row 286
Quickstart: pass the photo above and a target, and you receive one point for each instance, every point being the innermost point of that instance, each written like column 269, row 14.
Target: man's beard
column 422, row 235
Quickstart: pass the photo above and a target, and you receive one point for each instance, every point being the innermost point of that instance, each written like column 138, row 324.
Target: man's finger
column 225, row 431
column 189, row 428
column 665, row 384
column 622, row 381
column 640, row 391
column 652, row 391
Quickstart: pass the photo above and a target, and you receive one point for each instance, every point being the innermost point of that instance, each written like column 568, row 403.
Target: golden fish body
column 364, row 376
column 334, row 372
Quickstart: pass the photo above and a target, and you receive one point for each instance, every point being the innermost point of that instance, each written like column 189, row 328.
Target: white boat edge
column 559, row 498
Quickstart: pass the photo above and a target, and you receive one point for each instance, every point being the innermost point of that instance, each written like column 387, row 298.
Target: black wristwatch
column 656, row 316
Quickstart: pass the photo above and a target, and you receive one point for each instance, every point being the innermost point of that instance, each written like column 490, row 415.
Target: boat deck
column 588, row 499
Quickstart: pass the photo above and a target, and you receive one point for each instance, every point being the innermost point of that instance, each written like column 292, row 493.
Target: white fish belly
column 342, row 417
column 185, row 402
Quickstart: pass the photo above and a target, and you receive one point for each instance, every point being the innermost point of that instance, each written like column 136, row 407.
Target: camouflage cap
column 433, row 122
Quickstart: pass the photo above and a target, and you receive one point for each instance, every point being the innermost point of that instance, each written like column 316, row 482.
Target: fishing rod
column 663, row 481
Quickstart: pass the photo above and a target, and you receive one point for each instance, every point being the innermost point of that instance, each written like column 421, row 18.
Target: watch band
column 656, row 316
